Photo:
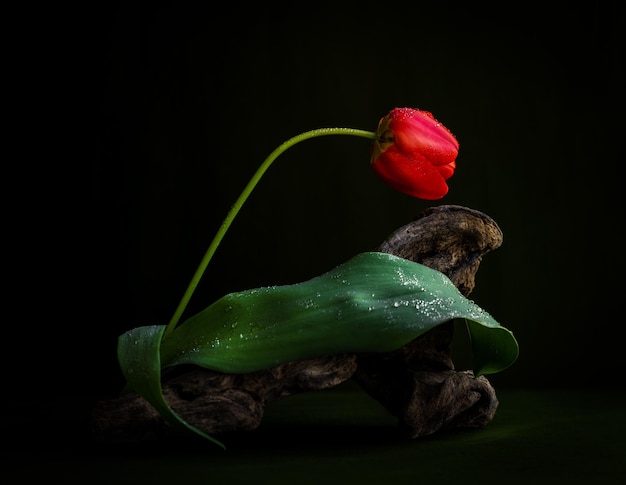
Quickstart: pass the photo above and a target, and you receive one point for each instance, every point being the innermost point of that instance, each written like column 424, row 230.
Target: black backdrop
column 137, row 125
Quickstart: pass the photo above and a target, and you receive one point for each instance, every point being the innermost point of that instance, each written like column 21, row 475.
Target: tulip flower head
column 414, row 153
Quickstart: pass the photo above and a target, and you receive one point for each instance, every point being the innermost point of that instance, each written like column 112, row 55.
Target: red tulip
column 414, row 153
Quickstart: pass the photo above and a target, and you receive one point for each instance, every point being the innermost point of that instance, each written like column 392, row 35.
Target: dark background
column 137, row 124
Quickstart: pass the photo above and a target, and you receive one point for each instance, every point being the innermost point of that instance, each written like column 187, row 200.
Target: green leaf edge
column 139, row 356
column 493, row 348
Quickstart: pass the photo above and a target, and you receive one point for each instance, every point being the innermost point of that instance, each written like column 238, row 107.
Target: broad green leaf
column 375, row 302
column 138, row 355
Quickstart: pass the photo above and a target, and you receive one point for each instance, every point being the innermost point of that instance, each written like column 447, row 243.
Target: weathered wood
column 417, row 383
column 216, row 402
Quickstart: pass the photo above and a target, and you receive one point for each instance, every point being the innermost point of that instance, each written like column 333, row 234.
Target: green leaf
column 375, row 302
column 138, row 355
column 493, row 348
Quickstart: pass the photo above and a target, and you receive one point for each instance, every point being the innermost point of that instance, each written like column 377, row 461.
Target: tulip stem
column 230, row 216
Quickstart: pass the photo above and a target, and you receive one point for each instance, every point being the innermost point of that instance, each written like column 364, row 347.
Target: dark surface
column 342, row 436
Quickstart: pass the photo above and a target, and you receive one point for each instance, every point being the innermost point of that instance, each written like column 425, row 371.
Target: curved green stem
column 230, row 216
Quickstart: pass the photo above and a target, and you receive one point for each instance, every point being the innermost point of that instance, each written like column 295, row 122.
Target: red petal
column 446, row 171
column 412, row 176
column 418, row 132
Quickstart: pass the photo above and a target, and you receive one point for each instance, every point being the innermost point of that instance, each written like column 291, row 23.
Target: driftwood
column 416, row 383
